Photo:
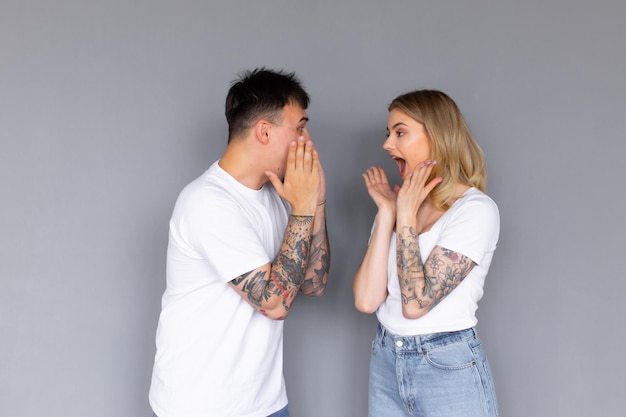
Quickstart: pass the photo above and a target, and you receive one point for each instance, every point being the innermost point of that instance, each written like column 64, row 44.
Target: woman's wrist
column 406, row 219
column 386, row 217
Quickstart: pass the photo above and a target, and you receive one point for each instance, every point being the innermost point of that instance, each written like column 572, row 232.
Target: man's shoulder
column 207, row 190
column 210, row 181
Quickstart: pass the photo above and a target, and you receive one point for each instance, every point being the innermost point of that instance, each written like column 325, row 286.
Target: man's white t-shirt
column 216, row 355
column 470, row 227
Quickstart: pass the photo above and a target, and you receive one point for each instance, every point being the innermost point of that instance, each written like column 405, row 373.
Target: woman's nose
column 388, row 144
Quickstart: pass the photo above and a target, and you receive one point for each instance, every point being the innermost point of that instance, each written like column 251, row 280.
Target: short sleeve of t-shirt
column 222, row 233
column 472, row 228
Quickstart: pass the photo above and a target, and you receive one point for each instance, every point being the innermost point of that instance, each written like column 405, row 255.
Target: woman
column 423, row 272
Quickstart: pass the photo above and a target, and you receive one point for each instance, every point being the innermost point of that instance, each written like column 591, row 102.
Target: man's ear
column 262, row 131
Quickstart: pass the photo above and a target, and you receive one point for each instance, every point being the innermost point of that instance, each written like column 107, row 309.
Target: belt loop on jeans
column 418, row 343
column 380, row 332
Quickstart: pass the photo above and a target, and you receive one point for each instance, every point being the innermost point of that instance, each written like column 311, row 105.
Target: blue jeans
column 435, row 375
column 280, row 413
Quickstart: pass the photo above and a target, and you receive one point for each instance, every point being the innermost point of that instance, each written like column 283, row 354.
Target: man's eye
column 301, row 129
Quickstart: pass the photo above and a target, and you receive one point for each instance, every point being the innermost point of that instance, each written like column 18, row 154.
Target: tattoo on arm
column 254, row 285
column 287, row 271
column 428, row 284
column 319, row 263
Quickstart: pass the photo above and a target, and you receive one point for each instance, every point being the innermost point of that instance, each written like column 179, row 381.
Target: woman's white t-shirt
column 470, row 227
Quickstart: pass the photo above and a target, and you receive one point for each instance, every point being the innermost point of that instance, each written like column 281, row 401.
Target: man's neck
column 242, row 165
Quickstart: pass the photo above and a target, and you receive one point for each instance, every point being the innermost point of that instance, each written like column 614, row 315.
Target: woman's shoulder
column 475, row 203
column 476, row 217
column 474, row 196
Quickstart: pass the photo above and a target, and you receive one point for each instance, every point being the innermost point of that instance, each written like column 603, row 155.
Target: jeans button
column 399, row 343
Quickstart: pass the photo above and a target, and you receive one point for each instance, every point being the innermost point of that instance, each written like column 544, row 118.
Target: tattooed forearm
column 410, row 267
column 254, row 285
column 319, row 260
column 264, row 288
column 289, row 268
column 427, row 284
column 301, row 220
column 317, row 272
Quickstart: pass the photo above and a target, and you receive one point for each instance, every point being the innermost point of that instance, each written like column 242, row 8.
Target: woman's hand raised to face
column 379, row 189
column 414, row 189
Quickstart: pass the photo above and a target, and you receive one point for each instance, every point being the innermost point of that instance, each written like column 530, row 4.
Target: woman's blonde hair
column 459, row 158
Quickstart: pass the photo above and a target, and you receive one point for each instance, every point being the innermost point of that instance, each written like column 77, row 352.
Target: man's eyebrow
column 304, row 119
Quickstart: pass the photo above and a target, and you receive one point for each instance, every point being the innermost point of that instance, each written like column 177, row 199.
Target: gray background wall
column 108, row 108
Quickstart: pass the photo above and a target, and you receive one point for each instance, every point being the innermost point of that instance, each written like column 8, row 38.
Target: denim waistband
column 422, row 343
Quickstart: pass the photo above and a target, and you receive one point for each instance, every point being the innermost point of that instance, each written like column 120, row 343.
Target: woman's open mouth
column 401, row 165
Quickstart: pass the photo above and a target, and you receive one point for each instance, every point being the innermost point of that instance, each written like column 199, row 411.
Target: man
column 245, row 238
